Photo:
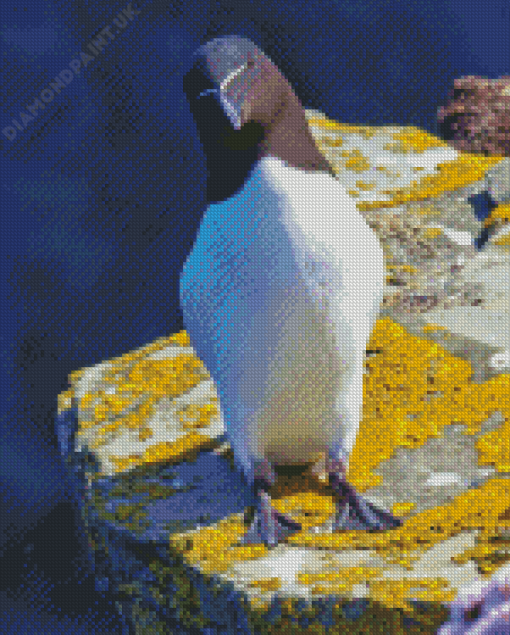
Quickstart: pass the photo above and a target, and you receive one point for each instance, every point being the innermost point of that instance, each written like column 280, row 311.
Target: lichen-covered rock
column 476, row 117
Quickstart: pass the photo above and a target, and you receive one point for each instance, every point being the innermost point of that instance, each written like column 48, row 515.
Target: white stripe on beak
column 207, row 91
column 230, row 111
column 230, row 77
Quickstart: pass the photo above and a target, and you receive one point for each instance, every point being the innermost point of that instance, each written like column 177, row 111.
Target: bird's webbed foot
column 268, row 526
column 353, row 510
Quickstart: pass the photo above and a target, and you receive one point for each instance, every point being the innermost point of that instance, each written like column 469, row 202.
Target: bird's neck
column 230, row 162
column 290, row 139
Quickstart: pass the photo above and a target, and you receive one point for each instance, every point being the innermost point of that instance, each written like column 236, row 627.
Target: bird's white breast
column 279, row 296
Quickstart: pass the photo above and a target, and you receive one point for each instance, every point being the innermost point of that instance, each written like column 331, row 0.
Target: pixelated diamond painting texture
column 113, row 453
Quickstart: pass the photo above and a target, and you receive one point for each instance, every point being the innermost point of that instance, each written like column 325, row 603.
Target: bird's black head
column 231, row 145
column 245, row 109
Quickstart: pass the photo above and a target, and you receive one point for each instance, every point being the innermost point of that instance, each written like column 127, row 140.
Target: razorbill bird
column 282, row 287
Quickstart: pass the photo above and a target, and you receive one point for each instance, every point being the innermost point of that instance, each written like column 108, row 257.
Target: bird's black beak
column 199, row 87
column 219, row 120
column 226, row 69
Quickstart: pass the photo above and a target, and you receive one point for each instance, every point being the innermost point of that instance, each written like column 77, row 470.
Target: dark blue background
column 102, row 194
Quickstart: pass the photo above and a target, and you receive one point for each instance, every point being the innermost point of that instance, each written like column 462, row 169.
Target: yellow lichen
column 215, row 548
column 65, row 399
column 451, row 175
column 358, row 164
column 396, row 593
column 407, row 268
column 433, row 327
column 166, row 450
column 399, row 379
column 194, row 416
column 409, row 376
column 347, row 576
column 334, row 143
column 417, row 140
column 151, row 378
column 427, row 210
column 500, row 214
column 365, row 186
column 181, row 338
column 402, row 509
column 75, row 375
column 267, row 584
column 122, row 463
column 504, row 241
column 144, row 434
column 432, row 232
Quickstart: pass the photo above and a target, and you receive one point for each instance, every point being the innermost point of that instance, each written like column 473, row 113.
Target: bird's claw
column 269, row 526
column 353, row 510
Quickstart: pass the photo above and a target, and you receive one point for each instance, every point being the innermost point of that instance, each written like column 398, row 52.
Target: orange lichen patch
column 451, row 175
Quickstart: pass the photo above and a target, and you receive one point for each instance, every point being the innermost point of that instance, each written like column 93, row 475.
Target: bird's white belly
column 279, row 360
column 305, row 369
column 280, row 317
